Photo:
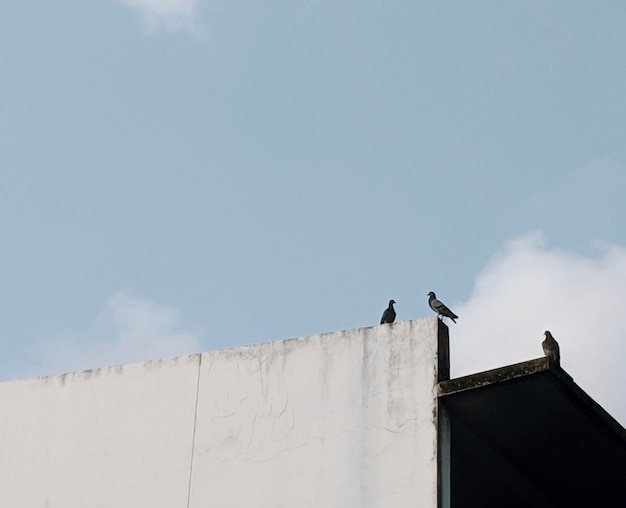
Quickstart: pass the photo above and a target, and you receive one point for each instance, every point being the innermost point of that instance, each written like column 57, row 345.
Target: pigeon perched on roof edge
column 551, row 348
column 389, row 314
column 440, row 308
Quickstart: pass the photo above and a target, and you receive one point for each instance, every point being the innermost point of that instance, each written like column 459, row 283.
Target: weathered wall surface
column 118, row 437
column 344, row 419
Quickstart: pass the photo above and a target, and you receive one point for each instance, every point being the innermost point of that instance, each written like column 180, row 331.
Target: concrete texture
column 340, row 419
column 117, row 437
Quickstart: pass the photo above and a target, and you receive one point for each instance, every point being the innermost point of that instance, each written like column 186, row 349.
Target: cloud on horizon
column 528, row 288
column 169, row 16
column 128, row 329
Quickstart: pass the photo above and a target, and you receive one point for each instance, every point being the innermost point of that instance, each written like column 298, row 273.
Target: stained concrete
column 340, row 419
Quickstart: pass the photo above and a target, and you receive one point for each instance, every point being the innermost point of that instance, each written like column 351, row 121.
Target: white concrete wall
column 345, row 419
column 118, row 437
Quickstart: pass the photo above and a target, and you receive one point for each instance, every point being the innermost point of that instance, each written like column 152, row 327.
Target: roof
column 527, row 435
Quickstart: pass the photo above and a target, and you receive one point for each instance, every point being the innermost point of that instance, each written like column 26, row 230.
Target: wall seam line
column 193, row 435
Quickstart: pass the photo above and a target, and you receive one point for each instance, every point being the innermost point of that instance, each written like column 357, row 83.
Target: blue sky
column 187, row 175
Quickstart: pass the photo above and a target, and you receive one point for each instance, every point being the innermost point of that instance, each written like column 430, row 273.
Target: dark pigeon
column 551, row 348
column 440, row 308
column 389, row 315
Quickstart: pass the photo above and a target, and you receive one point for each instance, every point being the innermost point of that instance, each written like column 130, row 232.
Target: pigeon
column 551, row 348
column 440, row 308
column 389, row 314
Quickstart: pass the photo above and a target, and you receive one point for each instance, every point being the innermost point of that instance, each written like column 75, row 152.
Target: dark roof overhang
column 527, row 435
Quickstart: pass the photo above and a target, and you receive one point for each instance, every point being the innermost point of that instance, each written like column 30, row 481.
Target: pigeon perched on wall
column 551, row 348
column 440, row 308
column 389, row 314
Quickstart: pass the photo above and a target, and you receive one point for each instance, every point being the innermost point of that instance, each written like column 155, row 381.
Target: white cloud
column 169, row 16
column 528, row 288
column 128, row 329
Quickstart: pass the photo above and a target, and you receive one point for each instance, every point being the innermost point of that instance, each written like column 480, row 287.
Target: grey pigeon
column 440, row 308
column 551, row 348
column 389, row 315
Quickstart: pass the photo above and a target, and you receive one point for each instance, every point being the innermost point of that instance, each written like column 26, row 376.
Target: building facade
column 364, row 418
column 344, row 419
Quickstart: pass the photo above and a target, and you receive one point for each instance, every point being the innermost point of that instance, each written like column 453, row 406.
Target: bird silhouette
column 440, row 308
column 389, row 314
column 551, row 348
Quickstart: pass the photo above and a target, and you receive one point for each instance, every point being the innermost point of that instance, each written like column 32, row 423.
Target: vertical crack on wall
column 193, row 434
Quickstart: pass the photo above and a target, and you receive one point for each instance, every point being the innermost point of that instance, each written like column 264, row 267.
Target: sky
column 180, row 176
